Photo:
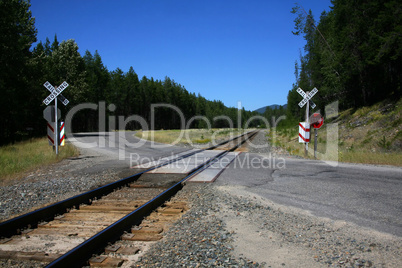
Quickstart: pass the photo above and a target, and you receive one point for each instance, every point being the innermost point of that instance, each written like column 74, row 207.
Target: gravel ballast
column 199, row 238
column 57, row 182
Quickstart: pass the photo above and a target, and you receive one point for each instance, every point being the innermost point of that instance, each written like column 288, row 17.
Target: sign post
column 308, row 124
column 307, row 100
column 55, row 93
column 56, row 128
column 315, row 143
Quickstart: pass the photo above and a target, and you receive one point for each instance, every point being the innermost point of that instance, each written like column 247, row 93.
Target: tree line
column 25, row 69
column 353, row 55
column 90, row 81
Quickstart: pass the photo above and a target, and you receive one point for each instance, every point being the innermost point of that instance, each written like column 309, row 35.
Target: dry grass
column 188, row 136
column 340, row 153
column 393, row 159
column 16, row 159
column 368, row 136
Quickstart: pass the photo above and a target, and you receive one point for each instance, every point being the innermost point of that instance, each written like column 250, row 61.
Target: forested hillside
column 353, row 55
column 24, row 69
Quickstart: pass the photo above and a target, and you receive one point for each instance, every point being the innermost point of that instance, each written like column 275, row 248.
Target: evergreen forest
column 25, row 68
column 352, row 55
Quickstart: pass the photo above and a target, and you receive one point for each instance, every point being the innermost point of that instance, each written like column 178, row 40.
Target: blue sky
column 225, row 50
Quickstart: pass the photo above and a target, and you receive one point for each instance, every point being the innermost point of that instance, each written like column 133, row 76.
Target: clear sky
column 228, row 50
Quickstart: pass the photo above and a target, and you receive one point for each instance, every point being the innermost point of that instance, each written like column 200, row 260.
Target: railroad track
column 136, row 208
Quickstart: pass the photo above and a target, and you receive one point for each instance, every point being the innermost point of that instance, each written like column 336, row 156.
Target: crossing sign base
column 304, row 132
column 62, row 136
column 51, row 134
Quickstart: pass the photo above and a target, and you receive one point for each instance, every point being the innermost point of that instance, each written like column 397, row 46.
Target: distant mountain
column 273, row 107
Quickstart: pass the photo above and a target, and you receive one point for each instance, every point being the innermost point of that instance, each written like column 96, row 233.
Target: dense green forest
column 24, row 69
column 353, row 55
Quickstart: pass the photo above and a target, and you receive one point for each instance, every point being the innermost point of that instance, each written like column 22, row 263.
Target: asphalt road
column 368, row 196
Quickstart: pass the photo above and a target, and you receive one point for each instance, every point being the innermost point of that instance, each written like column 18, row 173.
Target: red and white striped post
column 50, row 133
column 304, row 132
column 62, row 136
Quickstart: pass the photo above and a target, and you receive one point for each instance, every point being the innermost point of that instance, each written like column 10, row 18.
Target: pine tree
column 17, row 34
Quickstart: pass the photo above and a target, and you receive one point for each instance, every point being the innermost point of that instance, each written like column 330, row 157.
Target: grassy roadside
column 369, row 135
column 18, row 158
column 189, row 136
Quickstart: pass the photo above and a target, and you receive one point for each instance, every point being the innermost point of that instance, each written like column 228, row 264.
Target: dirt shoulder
column 278, row 235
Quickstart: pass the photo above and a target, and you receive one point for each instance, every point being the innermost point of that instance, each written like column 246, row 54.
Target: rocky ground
column 56, row 182
column 225, row 226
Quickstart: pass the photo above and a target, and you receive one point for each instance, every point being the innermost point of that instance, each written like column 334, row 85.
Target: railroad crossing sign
column 307, row 97
column 303, row 130
column 55, row 92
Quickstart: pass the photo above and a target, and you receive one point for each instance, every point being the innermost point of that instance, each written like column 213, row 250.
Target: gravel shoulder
column 281, row 235
column 229, row 227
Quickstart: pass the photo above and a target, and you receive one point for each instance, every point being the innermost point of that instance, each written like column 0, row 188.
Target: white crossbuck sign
column 307, row 97
column 55, row 92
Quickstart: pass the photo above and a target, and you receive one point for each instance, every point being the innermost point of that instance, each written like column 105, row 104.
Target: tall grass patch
column 25, row 156
column 393, row 159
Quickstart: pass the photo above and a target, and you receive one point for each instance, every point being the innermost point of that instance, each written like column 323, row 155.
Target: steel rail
column 241, row 143
column 32, row 219
column 78, row 256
